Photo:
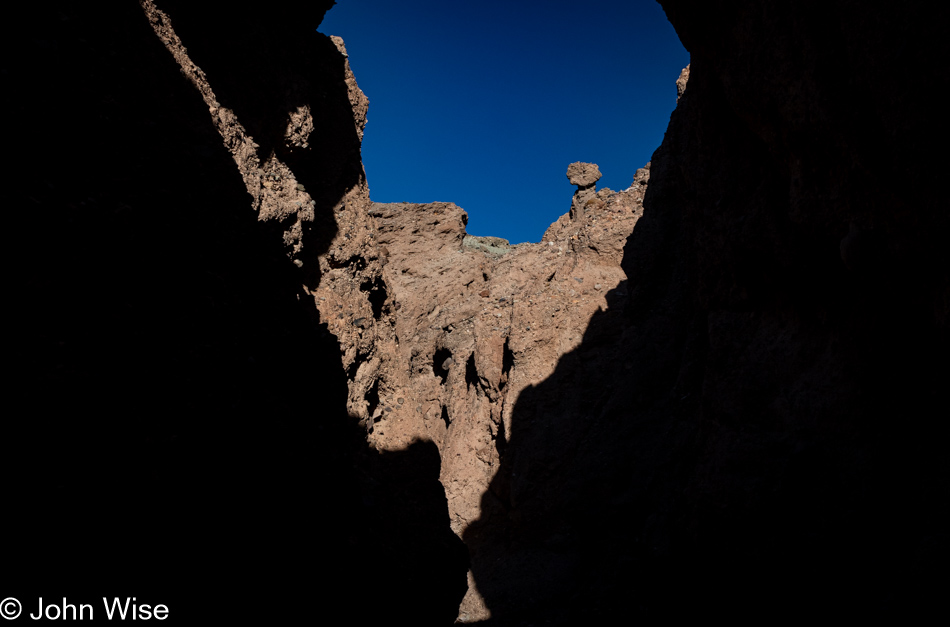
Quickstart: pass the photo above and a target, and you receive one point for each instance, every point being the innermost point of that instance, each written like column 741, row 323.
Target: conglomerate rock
column 584, row 175
column 463, row 328
column 713, row 394
column 758, row 436
column 187, row 427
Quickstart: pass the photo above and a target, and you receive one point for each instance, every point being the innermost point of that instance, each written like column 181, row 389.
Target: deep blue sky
column 485, row 104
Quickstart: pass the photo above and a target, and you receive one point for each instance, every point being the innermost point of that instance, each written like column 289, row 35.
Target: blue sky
column 485, row 104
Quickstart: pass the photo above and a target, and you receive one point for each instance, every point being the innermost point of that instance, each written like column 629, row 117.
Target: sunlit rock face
column 188, row 438
column 715, row 393
column 731, row 444
column 746, row 439
column 475, row 323
column 584, row 175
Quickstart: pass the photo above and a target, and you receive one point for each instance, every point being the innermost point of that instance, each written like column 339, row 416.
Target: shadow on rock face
column 755, row 436
column 418, row 564
column 182, row 434
column 266, row 66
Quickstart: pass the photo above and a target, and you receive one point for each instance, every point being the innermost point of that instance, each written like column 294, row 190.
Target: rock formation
column 584, row 175
column 714, row 394
column 183, row 434
column 756, row 438
column 470, row 327
column 681, row 83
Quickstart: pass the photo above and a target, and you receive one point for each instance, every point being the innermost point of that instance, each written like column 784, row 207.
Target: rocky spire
column 585, row 176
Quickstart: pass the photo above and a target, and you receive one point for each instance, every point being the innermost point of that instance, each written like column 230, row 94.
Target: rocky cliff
column 716, row 393
column 760, row 437
column 463, row 325
column 178, row 426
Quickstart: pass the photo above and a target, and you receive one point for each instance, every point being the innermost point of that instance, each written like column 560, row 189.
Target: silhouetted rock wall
column 177, row 427
column 760, row 437
column 238, row 379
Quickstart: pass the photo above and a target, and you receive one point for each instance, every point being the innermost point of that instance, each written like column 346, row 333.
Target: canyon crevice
column 715, row 393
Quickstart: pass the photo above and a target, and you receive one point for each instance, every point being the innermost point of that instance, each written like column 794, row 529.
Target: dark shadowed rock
column 184, row 434
column 756, row 438
column 716, row 395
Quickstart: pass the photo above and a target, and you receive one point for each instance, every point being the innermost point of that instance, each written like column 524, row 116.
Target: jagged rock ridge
column 468, row 329
column 726, row 439
column 183, row 433
column 248, row 387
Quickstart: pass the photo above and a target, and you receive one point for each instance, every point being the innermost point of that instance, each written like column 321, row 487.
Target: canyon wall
column 177, row 427
column 765, row 440
column 715, row 393
column 465, row 325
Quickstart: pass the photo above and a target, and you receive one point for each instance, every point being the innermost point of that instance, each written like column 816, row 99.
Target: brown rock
column 207, row 379
column 462, row 358
column 642, row 176
column 584, row 175
column 681, row 83
column 742, row 419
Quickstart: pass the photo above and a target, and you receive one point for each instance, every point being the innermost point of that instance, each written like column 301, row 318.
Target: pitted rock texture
column 274, row 157
column 716, row 395
column 757, row 437
column 470, row 322
column 584, row 175
column 681, row 83
column 494, row 245
column 187, row 403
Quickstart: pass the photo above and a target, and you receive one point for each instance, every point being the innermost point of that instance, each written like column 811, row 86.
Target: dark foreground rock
column 176, row 426
column 243, row 389
column 760, row 437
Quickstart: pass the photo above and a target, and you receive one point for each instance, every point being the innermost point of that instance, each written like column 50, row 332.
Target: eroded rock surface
column 715, row 393
column 457, row 326
column 187, row 427
column 467, row 324
column 681, row 83
column 756, row 438
column 584, row 175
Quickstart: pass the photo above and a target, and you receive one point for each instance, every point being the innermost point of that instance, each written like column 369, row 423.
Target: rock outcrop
column 585, row 176
column 681, row 83
column 757, row 437
column 716, row 393
column 183, row 433
column 469, row 328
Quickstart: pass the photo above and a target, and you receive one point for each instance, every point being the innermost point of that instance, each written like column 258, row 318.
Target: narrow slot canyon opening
column 462, row 103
